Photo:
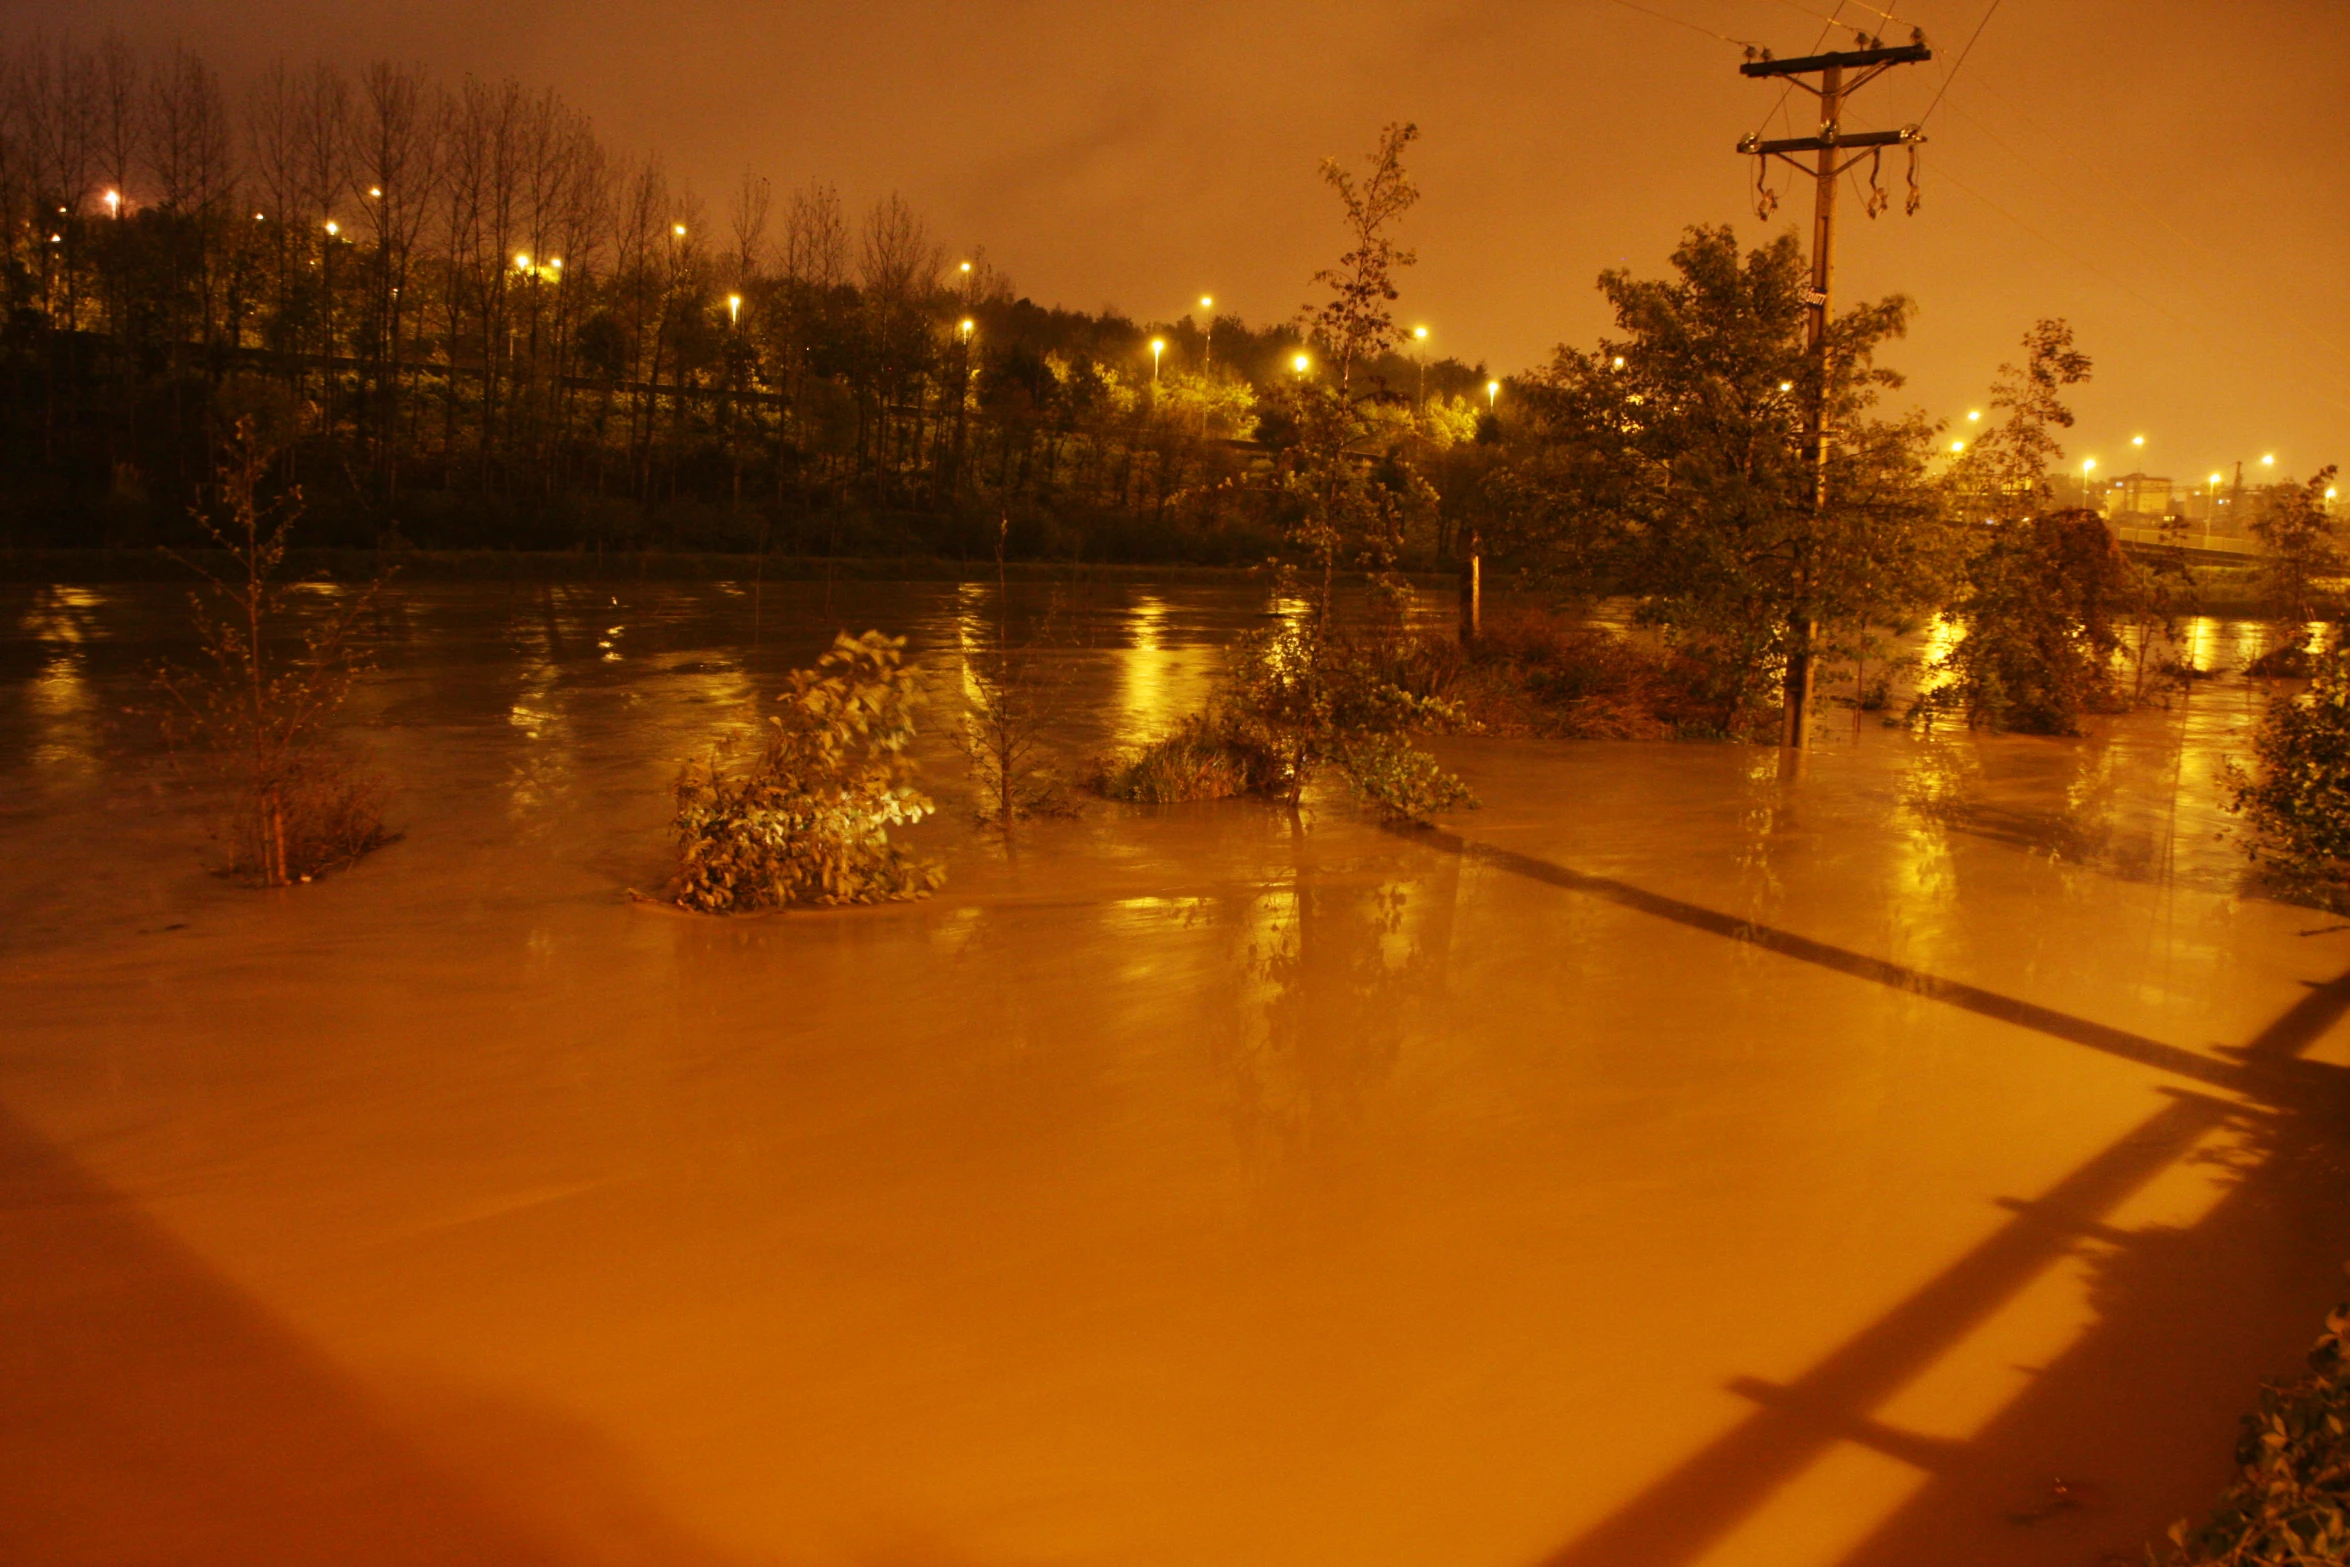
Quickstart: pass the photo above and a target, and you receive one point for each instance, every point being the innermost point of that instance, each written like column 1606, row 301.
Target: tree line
column 468, row 320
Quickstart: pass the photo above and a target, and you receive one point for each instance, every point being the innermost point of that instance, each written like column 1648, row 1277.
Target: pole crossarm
column 1848, row 59
column 1908, row 135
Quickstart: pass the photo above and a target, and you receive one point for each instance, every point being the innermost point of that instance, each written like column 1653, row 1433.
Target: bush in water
column 2298, row 796
column 1302, row 697
column 2291, row 1507
column 809, row 821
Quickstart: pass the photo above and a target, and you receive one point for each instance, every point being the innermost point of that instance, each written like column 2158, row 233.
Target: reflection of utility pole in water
column 1830, row 164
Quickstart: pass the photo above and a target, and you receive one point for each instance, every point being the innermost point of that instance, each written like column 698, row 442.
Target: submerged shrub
column 1204, row 759
column 2290, row 1506
column 2043, row 608
column 259, row 711
column 809, row 820
column 1300, row 698
column 2297, row 798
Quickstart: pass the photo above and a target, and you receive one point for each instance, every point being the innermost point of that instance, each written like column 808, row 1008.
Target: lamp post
column 1493, row 393
column 1158, row 347
column 1207, row 356
column 1420, row 356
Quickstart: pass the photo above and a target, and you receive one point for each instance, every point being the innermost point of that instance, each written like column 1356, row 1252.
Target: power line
column 1961, row 65
column 1740, row 43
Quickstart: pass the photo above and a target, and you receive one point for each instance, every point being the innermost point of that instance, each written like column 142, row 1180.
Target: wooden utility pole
column 1836, row 152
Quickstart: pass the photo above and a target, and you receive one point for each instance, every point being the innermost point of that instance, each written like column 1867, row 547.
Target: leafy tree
column 2301, row 552
column 1670, row 462
column 2044, row 603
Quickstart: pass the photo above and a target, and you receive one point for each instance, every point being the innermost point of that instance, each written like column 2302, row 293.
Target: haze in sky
column 2169, row 176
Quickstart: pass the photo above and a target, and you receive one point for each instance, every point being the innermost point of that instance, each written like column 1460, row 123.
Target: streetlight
column 734, row 310
column 1619, row 361
column 1158, row 347
column 2088, row 466
column 1493, row 392
column 1207, row 353
column 1300, row 364
column 1974, row 416
column 1957, row 446
column 522, row 263
column 333, row 228
column 114, row 203
column 1420, row 340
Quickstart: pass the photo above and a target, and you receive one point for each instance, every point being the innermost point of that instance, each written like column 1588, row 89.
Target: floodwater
column 1912, row 1162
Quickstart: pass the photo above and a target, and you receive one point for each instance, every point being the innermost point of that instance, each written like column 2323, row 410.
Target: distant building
column 2137, row 498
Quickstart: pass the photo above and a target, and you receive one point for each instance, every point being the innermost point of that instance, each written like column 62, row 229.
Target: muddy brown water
column 1913, row 1160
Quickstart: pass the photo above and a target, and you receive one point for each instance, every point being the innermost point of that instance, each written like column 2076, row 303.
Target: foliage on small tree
column 2044, row 604
column 2301, row 555
column 1311, row 694
column 2048, row 592
column 2297, row 796
column 261, row 712
column 1354, row 323
column 808, row 822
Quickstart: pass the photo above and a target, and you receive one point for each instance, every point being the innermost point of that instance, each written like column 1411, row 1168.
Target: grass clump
column 260, row 710
column 808, row 822
column 2290, row 1506
column 1207, row 757
column 2297, row 797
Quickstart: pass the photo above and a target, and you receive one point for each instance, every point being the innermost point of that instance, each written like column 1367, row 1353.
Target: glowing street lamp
column 1493, row 393
column 2270, row 461
column 2137, row 440
column 1207, row 353
column 377, row 191
column 1974, row 416
column 1158, row 347
column 114, row 203
column 966, row 326
column 1420, row 339
column 1300, row 364
column 734, row 310
column 333, row 228
column 677, row 231
column 1957, row 446
column 522, row 263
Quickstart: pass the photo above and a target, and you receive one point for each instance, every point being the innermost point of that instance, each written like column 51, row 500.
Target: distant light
column 1958, row 446
column 677, row 229
column 734, row 307
column 966, row 266
column 1299, row 364
column 257, row 217
column 1493, row 390
column 333, row 228
column 2329, row 494
column 1206, row 303
column 522, row 263
column 557, row 263
column 1974, row 415
column 2137, row 440
column 1619, row 361
column 1784, row 386
column 966, row 326
column 375, row 190
column 114, row 201
column 2215, row 478
column 1421, row 333
column 57, row 239
column 1158, row 346
column 2270, row 461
